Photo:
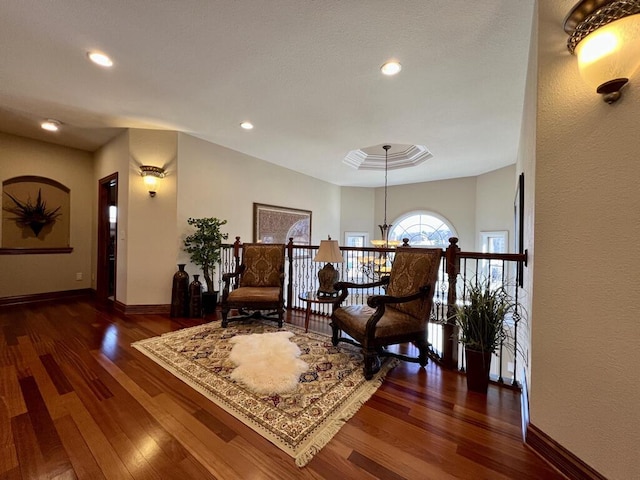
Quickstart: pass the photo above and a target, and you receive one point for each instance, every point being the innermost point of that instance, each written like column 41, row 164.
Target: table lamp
column 329, row 252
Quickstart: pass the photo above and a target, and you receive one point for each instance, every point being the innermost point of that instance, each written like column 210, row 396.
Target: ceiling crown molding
column 400, row 156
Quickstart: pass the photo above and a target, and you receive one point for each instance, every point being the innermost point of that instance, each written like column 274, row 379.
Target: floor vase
column 180, row 293
column 195, row 298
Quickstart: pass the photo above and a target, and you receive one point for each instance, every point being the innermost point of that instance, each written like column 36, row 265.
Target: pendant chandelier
column 385, row 228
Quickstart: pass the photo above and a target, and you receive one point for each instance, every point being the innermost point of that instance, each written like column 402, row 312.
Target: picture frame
column 275, row 224
column 518, row 212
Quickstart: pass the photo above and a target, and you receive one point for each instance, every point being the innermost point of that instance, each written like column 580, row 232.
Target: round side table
column 311, row 298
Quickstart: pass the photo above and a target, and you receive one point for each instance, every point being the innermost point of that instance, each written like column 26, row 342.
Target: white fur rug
column 267, row 362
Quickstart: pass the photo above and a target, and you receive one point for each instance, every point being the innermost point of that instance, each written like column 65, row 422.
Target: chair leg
column 423, row 348
column 334, row 334
column 280, row 317
column 225, row 312
column 371, row 363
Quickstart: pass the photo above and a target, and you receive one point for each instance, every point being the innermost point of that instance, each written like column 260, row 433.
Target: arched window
column 423, row 228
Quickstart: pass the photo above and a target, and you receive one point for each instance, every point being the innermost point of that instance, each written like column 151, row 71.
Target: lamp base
column 327, row 277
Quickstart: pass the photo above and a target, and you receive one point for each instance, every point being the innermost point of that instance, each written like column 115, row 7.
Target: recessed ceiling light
column 391, row 68
column 247, row 125
column 50, row 125
column 100, row 59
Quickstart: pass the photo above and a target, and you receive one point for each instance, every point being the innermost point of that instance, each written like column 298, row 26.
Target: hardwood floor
column 76, row 401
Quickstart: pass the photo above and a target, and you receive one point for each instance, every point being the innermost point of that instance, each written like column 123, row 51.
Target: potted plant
column 481, row 322
column 203, row 247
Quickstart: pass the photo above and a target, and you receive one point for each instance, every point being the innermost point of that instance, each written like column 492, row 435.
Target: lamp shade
column 329, row 252
column 611, row 52
column 150, row 175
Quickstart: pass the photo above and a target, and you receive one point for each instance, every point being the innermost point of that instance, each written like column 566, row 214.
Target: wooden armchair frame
column 252, row 301
column 362, row 324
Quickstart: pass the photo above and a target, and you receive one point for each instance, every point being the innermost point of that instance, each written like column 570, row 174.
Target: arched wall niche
column 35, row 214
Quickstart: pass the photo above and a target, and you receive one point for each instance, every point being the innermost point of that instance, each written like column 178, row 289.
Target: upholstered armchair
column 400, row 316
column 258, row 284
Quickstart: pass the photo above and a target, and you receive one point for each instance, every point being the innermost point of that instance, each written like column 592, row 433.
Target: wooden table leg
column 306, row 317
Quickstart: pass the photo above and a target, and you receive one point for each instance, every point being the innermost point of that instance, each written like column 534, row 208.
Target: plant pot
column 478, row 366
column 209, row 302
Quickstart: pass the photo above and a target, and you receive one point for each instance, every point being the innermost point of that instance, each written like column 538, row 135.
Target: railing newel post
column 290, row 275
column 450, row 343
column 236, row 259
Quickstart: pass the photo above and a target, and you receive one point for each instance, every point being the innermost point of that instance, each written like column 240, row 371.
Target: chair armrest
column 226, row 278
column 341, row 285
column 375, row 301
column 343, row 288
column 380, row 301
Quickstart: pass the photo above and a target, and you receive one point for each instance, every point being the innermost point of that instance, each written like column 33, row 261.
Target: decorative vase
column 180, row 293
column 195, row 298
column 478, row 366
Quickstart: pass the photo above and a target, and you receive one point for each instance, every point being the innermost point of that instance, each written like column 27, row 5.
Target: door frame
column 102, row 267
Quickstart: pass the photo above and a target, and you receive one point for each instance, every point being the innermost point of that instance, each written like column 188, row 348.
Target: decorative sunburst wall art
column 35, row 213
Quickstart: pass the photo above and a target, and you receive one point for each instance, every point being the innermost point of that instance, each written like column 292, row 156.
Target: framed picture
column 518, row 210
column 273, row 224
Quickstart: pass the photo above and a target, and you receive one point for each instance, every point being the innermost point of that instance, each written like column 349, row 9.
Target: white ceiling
column 305, row 72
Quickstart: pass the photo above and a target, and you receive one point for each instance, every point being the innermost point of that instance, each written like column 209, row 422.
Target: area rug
column 301, row 422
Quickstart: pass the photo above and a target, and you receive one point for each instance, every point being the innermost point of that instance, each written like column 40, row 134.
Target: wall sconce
column 605, row 36
column 150, row 175
column 328, row 252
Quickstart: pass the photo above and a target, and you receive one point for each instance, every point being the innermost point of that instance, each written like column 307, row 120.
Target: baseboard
column 548, row 449
column 142, row 309
column 524, row 405
column 46, row 297
column 558, row 456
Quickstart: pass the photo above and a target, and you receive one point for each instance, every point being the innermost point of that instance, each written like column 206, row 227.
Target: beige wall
column 114, row 158
column 526, row 164
column 585, row 353
column 152, row 220
column 214, row 181
column 31, row 274
column 146, row 226
column 471, row 204
column 455, row 200
column 356, row 212
column 495, row 193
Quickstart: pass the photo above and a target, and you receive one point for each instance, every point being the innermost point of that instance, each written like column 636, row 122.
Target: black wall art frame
column 518, row 210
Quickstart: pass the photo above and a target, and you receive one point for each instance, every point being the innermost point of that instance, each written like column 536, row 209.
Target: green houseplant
column 203, row 247
column 481, row 322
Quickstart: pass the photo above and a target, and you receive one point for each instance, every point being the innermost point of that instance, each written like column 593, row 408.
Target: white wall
column 32, row 274
column 214, row 181
column 585, row 353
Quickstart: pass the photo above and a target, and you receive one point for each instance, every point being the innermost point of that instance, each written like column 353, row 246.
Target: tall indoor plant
column 203, row 247
column 481, row 322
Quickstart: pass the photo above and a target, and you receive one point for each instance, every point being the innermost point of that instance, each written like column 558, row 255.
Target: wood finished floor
column 76, row 401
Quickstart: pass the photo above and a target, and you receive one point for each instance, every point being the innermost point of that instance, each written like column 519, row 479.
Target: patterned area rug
column 301, row 422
